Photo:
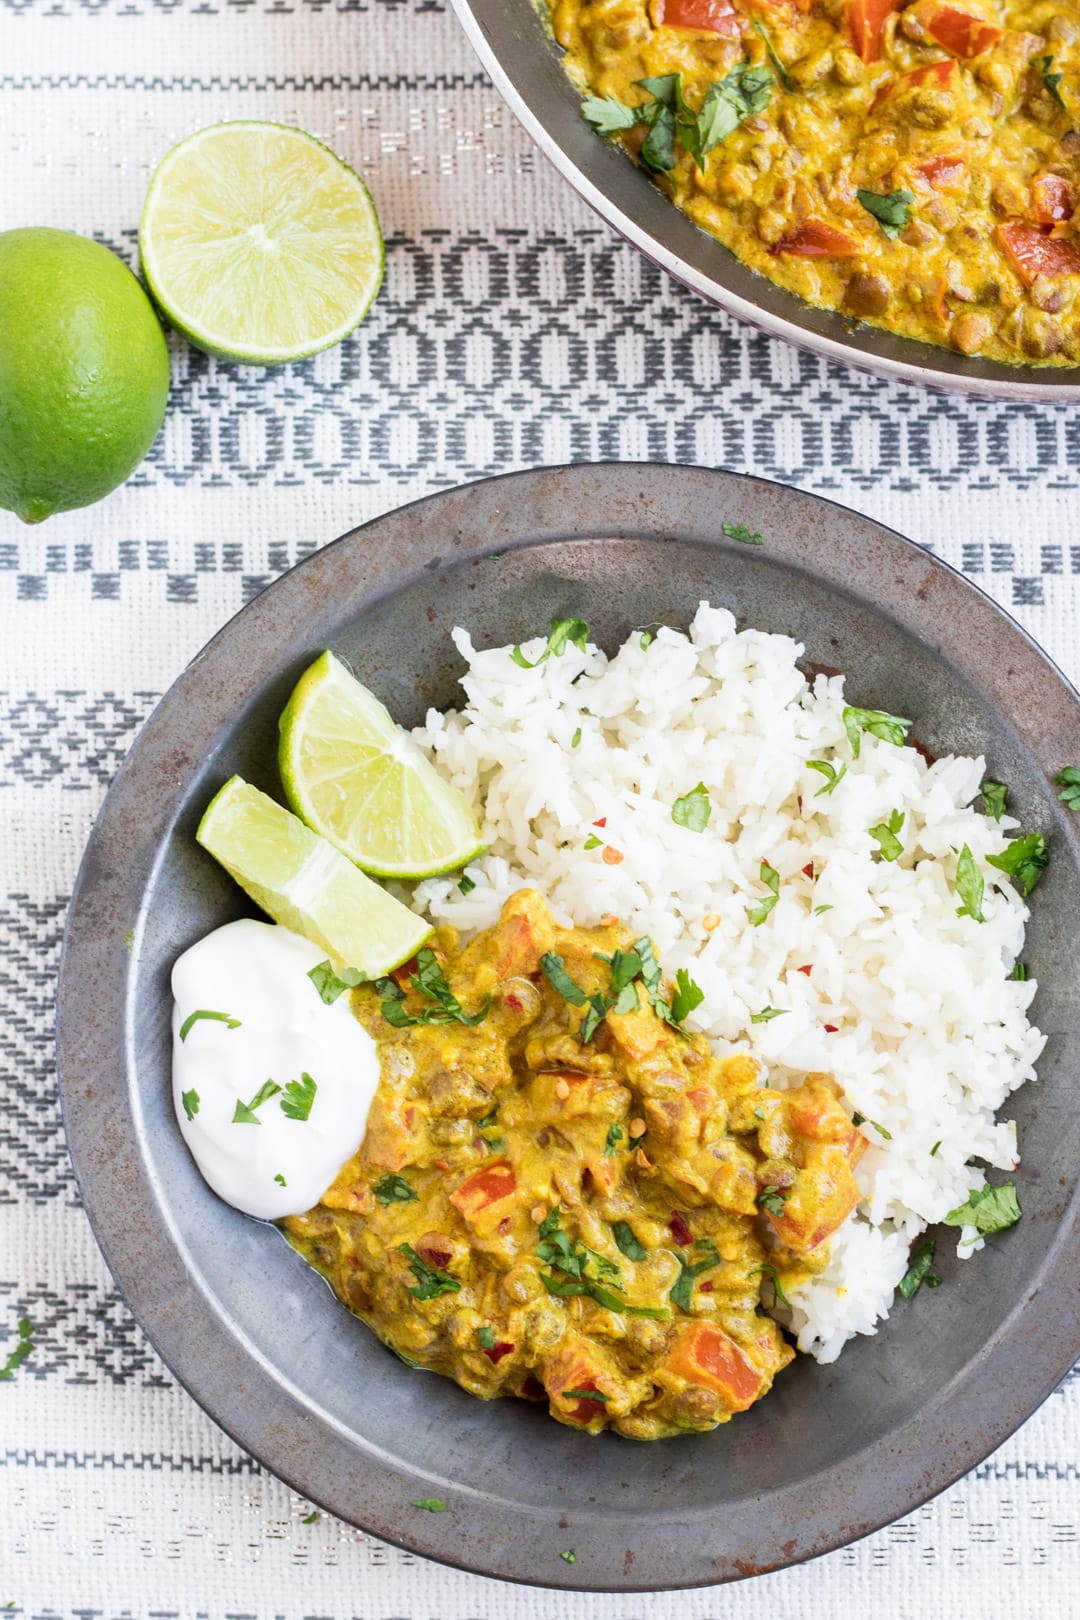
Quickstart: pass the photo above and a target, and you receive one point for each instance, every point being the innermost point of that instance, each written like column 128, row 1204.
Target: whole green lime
column 84, row 372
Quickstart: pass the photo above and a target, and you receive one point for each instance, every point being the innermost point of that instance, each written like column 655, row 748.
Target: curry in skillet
column 563, row 1196
column 916, row 166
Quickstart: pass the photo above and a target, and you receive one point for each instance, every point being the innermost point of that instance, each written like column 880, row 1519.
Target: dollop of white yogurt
column 273, row 1026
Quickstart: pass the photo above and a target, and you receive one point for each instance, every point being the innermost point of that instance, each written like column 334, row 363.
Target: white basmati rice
column 931, row 1034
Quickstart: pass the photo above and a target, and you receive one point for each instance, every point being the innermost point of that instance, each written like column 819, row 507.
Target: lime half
column 305, row 884
column 361, row 781
column 259, row 244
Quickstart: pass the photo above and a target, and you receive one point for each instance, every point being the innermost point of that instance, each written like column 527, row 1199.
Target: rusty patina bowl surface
column 258, row 1339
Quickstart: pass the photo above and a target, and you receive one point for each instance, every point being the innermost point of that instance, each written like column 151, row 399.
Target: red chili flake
column 679, row 1230
column 807, row 969
column 497, row 1351
column 504, row 1226
column 808, row 869
column 513, row 1003
column 705, row 1288
column 830, row 1029
column 601, row 823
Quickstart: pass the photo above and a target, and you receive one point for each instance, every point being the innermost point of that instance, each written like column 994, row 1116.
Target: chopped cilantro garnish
column 885, row 832
column 204, row 1012
column 918, row 1271
column 485, row 1338
column 298, row 1098
column 988, row 1209
column 740, row 532
column 645, row 640
column 969, row 886
column 693, row 809
column 466, row 884
column 568, row 1555
column 592, row 842
column 771, row 1199
column 310, row 1518
column 1024, row 859
column 682, row 1291
column 430, row 1504
column 555, row 973
column 393, row 1189
column 430, row 1282
column 771, row 878
column 23, row 1347
column 584, row 1395
column 767, row 1014
column 280, row 1179
column 607, row 115
column 686, row 996
column 891, row 209
column 1019, row 971
column 890, row 728
column 190, row 1100
column 819, row 909
column 626, row 1242
column 744, row 91
column 614, row 1137
column 994, row 796
column 1052, row 80
column 245, row 1114
column 1068, row 780
column 576, row 738
column 563, row 633
column 331, row 985
column 933, row 1150
column 595, row 1014
column 430, row 981
column 833, row 777
column 727, row 102
column 770, row 51
column 779, row 1297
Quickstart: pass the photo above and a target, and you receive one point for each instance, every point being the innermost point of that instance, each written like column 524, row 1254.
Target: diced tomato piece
column 532, row 1389
column 705, row 1355
column 943, row 169
column 1034, row 254
column 1053, row 198
column 679, row 1230
column 708, row 16
column 866, row 23
column 490, row 1185
column 501, row 1348
column 959, row 31
column 817, row 241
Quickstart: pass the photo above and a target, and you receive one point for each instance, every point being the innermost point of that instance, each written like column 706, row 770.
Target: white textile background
column 513, row 330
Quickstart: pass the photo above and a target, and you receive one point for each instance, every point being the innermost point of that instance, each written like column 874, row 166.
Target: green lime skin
column 84, row 372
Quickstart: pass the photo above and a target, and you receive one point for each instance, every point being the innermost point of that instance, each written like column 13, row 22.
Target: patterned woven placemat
column 513, row 329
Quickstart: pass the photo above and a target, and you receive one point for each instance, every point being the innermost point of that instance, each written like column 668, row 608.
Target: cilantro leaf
column 430, row 1282
column 429, row 981
column 592, row 842
column 594, row 1017
column 568, row 1555
column 771, row 879
column 576, row 738
column 1068, row 780
column 771, row 1199
column 584, row 1395
column 625, row 968
column 190, row 1100
column 392, row 1189
column 614, row 1137
column 1019, row 971
column 740, row 532
column 551, row 964
column 693, row 809
column 658, row 147
column 245, row 1114
column 23, row 1347
column 744, row 91
column 204, row 1012
column 891, row 209
column 626, row 1242
column 988, row 1209
column 682, row 1290
column 994, row 794
column 918, row 1271
column 563, row 633
column 298, row 1098
column 1024, row 859
column 331, row 985
column 607, row 116
column 833, row 777
column 767, row 1014
column 969, row 886
column 885, row 832
column 485, row 1338
column 645, row 640
column 687, row 996
column 891, row 728
column 430, row 1504
column 1051, row 79
column 280, row 1180
column 466, row 884
column 779, row 1297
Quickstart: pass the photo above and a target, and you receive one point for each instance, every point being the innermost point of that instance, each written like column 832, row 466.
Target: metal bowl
column 256, row 1336
column 515, row 46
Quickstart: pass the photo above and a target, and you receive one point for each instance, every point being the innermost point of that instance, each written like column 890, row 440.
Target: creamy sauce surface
column 275, row 1028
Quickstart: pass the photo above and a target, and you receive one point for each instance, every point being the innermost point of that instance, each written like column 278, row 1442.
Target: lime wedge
column 259, row 244
column 304, row 883
column 361, row 781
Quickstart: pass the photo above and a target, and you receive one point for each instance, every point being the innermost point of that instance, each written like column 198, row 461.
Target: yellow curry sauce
column 961, row 116
column 588, row 1210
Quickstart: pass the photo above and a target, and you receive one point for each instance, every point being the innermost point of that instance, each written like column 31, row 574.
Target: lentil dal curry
column 563, row 1196
column 916, row 166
